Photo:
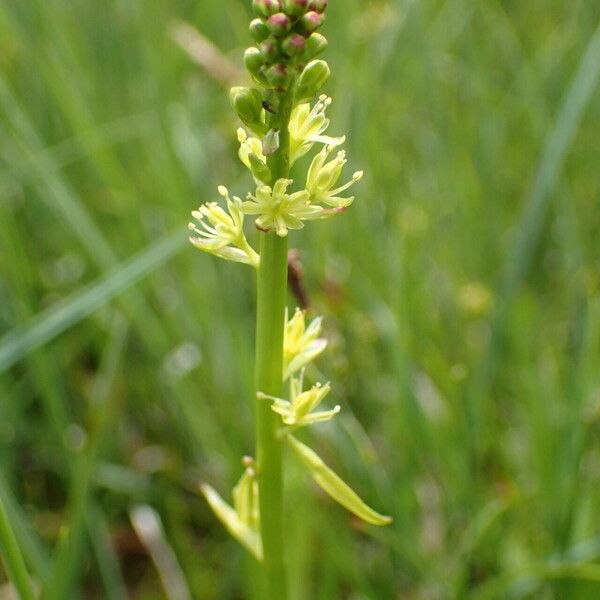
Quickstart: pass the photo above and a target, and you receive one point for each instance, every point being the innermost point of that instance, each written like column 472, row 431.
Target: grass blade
column 13, row 559
column 52, row 322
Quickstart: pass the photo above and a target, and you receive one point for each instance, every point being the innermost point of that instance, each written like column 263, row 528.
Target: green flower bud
column 253, row 59
column 247, row 103
column 312, row 20
column 278, row 75
column 318, row 5
column 270, row 143
column 294, row 44
column 270, row 49
column 312, row 79
column 279, row 24
column 295, row 8
column 266, row 8
column 259, row 169
column 254, row 62
column 272, row 101
column 259, row 30
column 315, row 44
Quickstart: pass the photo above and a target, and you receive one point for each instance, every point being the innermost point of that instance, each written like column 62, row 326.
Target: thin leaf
column 13, row 559
column 333, row 485
column 53, row 321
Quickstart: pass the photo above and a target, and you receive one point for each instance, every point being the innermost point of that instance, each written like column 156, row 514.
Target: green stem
column 13, row 559
column 271, row 297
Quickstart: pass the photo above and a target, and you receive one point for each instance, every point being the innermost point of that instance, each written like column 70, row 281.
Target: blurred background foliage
column 461, row 294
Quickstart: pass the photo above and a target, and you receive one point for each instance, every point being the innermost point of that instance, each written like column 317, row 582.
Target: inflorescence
column 284, row 68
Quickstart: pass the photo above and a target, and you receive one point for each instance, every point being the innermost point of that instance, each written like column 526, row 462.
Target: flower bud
column 279, row 24
column 315, row 44
column 272, row 101
column 255, row 62
column 295, row 8
column 318, row 5
column 270, row 143
column 259, row 30
column 247, row 103
column 312, row 20
column 294, row 44
column 312, row 79
column 266, row 8
column 270, row 49
column 259, row 169
column 278, row 75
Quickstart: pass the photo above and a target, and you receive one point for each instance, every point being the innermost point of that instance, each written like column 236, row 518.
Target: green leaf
column 53, row 321
column 333, row 485
column 249, row 538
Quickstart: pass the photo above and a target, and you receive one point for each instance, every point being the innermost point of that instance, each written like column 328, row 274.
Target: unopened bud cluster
column 287, row 39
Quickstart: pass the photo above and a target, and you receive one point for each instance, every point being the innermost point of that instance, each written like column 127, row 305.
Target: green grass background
column 461, row 295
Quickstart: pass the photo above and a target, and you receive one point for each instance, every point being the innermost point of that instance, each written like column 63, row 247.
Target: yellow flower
column 307, row 127
column 242, row 520
column 323, row 175
column 297, row 412
column 279, row 210
column 301, row 345
column 251, row 154
column 221, row 233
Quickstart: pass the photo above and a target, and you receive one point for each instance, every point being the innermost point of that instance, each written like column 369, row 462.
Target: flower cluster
column 302, row 345
column 282, row 63
column 277, row 209
column 286, row 35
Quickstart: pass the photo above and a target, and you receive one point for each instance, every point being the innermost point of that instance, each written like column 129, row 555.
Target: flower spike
column 287, row 77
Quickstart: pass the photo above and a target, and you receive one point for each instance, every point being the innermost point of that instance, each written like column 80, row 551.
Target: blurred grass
column 461, row 294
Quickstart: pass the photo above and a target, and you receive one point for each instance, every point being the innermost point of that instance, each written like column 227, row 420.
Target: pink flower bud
column 279, row 24
column 312, row 20
column 270, row 49
column 278, row 75
column 294, row 44
column 318, row 5
column 295, row 8
column 315, row 44
column 266, row 8
column 259, row 30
